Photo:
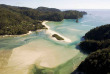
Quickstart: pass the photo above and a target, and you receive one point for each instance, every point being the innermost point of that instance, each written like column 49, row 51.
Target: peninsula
column 55, row 34
column 97, row 45
column 20, row 20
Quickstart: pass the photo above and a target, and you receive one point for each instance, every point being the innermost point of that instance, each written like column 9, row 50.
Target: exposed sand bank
column 50, row 32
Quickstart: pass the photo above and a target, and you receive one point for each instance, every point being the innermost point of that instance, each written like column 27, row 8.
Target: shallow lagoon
column 38, row 53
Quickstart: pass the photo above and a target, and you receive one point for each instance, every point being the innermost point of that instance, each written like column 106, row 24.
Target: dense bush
column 92, row 45
column 72, row 14
column 96, row 63
column 12, row 23
column 19, row 20
column 44, row 13
column 57, row 37
column 96, row 41
column 97, row 38
column 99, row 33
column 45, row 9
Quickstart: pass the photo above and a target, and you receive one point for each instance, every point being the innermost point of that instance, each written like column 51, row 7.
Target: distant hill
column 46, row 9
column 23, row 19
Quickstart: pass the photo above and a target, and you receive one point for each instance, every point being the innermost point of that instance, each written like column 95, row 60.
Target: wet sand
column 39, row 53
column 50, row 32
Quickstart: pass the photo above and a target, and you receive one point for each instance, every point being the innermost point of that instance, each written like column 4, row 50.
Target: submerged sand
column 50, row 32
column 39, row 53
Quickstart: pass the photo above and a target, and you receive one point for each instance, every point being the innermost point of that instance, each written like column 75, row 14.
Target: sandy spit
column 50, row 32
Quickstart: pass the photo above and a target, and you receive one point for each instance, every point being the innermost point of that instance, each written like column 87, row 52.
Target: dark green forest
column 57, row 37
column 89, row 46
column 19, row 20
column 99, row 33
column 97, row 44
column 97, row 38
column 96, row 63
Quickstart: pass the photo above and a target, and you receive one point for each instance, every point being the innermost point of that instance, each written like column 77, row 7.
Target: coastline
column 29, row 32
column 50, row 32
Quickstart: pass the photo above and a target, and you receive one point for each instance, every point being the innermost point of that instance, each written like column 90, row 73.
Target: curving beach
column 29, row 32
column 50, row 32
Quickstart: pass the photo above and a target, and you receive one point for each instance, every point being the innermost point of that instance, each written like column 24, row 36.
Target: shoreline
column 29, row 32
column 50, row 32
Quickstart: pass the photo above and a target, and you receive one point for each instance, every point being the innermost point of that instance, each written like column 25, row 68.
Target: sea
column 38, row 53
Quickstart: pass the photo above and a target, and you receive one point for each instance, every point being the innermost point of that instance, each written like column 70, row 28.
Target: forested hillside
column 96, row 63
column 13, row 22
column 19, row 20
column 97, row 43
column 97, row 38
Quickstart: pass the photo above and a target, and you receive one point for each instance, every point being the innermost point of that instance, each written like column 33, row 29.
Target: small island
column 57, row 37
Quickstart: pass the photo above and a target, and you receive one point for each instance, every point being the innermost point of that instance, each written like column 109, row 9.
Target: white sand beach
column 50, row 32
column 16, row 35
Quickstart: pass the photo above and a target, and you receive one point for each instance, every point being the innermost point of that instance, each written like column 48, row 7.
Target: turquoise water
column 62, row 57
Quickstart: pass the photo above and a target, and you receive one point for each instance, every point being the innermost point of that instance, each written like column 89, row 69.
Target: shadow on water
column 84, row 52
column 77, row 72
column 81, row 50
